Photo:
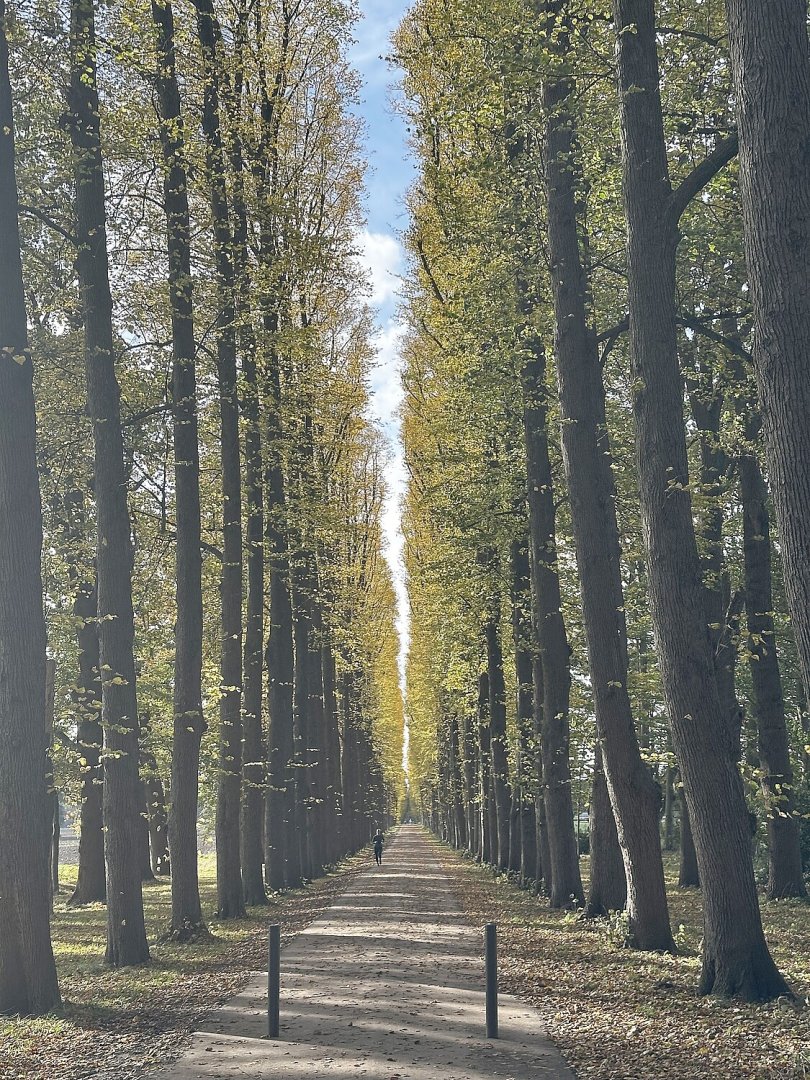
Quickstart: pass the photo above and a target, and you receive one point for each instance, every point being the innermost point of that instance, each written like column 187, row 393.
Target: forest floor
column 617, row 1014
column 614, row 1013
column 117, row 1025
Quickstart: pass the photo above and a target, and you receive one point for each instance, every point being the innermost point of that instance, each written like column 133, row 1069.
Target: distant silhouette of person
column 378, row 842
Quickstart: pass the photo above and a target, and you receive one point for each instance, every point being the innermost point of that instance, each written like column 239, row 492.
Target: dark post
column 273, row 981
column 491, row 951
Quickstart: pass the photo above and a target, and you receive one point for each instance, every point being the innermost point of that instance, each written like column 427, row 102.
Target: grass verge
column 121, row 1024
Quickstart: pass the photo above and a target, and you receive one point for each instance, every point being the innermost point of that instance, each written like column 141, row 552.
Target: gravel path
column 386, row 985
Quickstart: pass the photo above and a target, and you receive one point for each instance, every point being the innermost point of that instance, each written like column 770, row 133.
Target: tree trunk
column 302, row 757
column 230, row 897
column 688, row 873
column 468, row 771
column 485, row 766
column 499, row 774
column 736, row 961
column 524, row 706
column 126, row 936
column 322, row 822
column 28, row 982
column 607, row 888
column 253, row 764
column 707, row 405
column 457, row 788
column 282, row 860
column 348, row 760
column 562, row 872
column 91, row 884
column 542, row 880
column 634, row 795
column 188, row 722
column 771, row 69
column 669, row 809
column 785, row 876
column 334, row 800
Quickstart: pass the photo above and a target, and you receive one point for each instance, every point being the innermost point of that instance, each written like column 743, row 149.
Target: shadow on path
column 387, row 985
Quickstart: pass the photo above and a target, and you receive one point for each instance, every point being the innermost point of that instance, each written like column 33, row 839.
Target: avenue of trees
column 190, row 487
column 607, row 430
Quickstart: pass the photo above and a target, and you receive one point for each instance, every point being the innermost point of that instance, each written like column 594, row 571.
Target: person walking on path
column 378, row 842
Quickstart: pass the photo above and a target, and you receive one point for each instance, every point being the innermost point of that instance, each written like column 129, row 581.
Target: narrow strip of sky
column 390, row 173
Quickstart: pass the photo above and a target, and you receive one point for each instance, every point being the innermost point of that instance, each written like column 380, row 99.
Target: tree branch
column 428, row 272
column 732, row 344
column 699, row 177
column 34, row 211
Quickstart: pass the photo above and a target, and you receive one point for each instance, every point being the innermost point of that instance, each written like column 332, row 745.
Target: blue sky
column 389, row 175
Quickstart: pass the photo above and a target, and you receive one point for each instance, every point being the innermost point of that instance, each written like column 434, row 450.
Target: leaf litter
column 619, row 1014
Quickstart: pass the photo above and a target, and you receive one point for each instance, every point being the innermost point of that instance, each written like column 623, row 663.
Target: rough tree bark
column 771, row 69
column 230, row 897
column 706, row 401
column 736, row 961
column 523, row 789
column 188, row 723
column 785, row 876
column 607, row 887
column 634, row 795
column 688, row 873
column 28, row 982
column 126, row 936
column 499, row 765
column 253, row 765
column 562, row 871
column 542, row 882
column 484, row 768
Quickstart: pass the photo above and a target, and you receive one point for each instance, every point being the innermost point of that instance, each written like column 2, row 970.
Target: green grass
column 118, row 1023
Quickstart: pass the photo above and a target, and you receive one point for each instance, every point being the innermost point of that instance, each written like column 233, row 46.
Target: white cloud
column 380, row 255
column 386, row 380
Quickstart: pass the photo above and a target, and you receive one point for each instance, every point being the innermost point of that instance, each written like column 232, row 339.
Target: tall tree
column 188, row 723
column 785, row 877
column 736, row 960
column 499, row 762
column 126, row 935
column 28, row 983
column 634, row 795
column 562, row 871
column 771, row 68
column 230, row 896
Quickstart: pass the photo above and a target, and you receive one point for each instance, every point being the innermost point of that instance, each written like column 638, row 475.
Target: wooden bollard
column 491, row 954
column 273, row 981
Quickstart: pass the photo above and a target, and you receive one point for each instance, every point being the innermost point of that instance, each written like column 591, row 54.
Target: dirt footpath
column 387, row 984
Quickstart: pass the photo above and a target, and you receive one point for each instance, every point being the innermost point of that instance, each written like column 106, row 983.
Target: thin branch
column 146, row 414
column 34, row 211
column 695, row 35
column 429, row 273
column 732, row 344
column 699, row 177
column 614, row 331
